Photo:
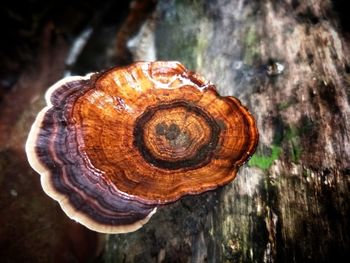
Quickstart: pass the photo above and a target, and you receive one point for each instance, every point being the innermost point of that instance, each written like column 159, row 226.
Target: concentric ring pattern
column 112, row 146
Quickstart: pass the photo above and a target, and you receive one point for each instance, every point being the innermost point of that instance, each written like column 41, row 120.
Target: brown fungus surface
column 110, row 147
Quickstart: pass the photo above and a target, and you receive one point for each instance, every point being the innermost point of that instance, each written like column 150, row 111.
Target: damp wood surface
column 288, row 61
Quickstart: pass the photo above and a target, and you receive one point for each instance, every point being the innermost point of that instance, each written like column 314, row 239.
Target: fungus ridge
column 112, row 146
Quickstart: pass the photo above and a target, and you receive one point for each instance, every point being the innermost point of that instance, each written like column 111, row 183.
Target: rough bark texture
column 288, row 60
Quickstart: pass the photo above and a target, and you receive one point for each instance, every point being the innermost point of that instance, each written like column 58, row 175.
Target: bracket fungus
column 110, row 147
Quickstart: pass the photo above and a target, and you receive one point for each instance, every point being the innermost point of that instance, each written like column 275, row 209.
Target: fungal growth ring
column 110, row 147
column 169, row 133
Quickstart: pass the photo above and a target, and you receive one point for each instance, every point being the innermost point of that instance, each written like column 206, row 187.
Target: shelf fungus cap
column 110, row 147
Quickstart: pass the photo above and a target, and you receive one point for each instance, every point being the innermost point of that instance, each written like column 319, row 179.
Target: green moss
column 296, row 152
column 283, row 105
column 291, row 133
column 290, row 139
column 186, row 29
column 251, row 42
column 292, row 136
column 265, row 161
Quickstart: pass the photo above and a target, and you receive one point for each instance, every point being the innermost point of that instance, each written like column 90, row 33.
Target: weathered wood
column 289, row 62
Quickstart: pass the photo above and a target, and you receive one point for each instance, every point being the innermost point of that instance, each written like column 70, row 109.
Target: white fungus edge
column 45, row 176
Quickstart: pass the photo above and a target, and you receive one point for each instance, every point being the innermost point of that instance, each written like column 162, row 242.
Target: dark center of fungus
column 176, row 135
column 170, row 132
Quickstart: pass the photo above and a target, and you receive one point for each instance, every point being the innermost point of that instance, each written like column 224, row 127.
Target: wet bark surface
column 288, row 61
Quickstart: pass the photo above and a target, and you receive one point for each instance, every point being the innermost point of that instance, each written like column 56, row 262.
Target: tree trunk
column 288, row 61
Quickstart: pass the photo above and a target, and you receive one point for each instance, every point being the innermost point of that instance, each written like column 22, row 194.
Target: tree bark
column 289, row 62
